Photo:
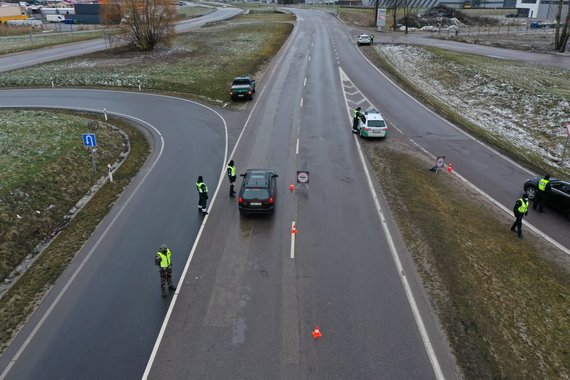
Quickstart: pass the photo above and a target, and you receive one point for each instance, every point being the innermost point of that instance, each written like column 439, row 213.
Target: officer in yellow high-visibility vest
column 543, row 188
column 203, row 195
column 232, row 177
column 520, row 210
column 163, row 261
column 355, row 118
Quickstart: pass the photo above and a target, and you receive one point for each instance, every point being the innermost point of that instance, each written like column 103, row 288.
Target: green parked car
column 242, row 88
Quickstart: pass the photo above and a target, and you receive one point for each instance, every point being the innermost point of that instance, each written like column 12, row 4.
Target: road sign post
column 303, row 178
column 565, row 144
column 439, row 162
column 90, row 141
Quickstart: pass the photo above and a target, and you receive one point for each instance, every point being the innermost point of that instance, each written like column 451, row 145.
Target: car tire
column 531, row 192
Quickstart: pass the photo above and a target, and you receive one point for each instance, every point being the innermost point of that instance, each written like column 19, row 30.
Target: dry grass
column 200, row 64
column 20, row 300
column 505, row 308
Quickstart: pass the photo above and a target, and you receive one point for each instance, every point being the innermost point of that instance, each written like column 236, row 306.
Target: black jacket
column 517, row 205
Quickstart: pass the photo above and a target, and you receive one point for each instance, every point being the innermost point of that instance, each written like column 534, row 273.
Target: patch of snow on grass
column 526, row 119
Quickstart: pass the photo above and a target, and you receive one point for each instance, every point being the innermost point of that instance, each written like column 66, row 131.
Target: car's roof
column 258, row 177
column 363, row 35
column 374, row 115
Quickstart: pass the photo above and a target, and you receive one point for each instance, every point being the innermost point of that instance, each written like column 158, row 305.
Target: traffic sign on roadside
column 302, row 177
column 89, row 140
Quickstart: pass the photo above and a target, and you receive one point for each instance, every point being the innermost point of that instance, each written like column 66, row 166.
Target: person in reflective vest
column 232, row 177
column 520, row 210
column 355, row 118
column 202, row 195
column 543, row 188
column 163, row 261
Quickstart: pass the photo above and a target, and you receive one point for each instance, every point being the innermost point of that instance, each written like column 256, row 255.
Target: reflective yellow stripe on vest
column 199, row 187
column 523, row 207
column 165, row 258
column 542, row 184
column 232, row 170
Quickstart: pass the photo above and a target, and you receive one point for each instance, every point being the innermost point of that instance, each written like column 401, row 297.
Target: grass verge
column 547, row 93
column 22, row 298
column 200, row 64
column 504, row 307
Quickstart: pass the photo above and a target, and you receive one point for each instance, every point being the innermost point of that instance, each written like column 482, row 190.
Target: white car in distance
column 364, row 39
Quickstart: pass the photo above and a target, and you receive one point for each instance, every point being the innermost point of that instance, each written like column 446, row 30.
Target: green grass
column 44, row 171
column 200, row 64
column 36, row 173
column 504, row 308
column 551, row 86
column 53, row 172
column 13, row 44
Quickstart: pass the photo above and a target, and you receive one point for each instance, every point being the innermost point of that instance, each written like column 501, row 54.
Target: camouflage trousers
column 166, row 278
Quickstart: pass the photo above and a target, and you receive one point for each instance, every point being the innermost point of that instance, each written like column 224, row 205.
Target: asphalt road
column 102, row 317
column 28, row 58
column 245, row 308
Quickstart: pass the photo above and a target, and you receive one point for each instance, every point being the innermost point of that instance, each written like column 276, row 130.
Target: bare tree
column 143, row 23
column 395, row 15
column 561, row 36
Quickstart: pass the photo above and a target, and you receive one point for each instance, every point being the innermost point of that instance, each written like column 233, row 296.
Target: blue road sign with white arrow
column 89, row 140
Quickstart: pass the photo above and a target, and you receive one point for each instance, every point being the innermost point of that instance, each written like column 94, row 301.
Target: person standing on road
column 355, row 118
column 543, row 187
column 203, row 195
column 232, row 177
column 162, row 260
column 372, row 39
column 520, row 210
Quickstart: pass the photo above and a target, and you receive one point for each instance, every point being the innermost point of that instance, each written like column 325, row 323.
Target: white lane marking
column 292, row 240
column 533, row 228
column 444, row 120
column 193, row 250
column 301, row 105
column 494, row 201
column 395, row 256
column 88, row 256
column 297, row 148
column 305, row 82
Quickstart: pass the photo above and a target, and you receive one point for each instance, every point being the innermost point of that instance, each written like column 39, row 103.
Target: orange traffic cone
column 317, row 333
column 449, row 168
column 294, row 229
column 291, row 187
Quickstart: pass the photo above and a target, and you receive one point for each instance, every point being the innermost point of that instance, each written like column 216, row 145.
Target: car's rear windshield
column 376, row 123
column 255, row 193
column 240, row 81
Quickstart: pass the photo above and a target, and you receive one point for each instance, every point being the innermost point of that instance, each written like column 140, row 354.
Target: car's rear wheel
column 531, row 191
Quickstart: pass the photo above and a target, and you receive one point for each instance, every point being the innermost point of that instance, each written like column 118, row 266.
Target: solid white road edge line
column 411, row 300
column 193, row 249
column 409, row 295
column 88, row 256
column 494, row 201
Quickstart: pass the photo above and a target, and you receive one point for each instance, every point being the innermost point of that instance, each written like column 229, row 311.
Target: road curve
column 34, row 57
column 101, row 318
column 246, row 309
